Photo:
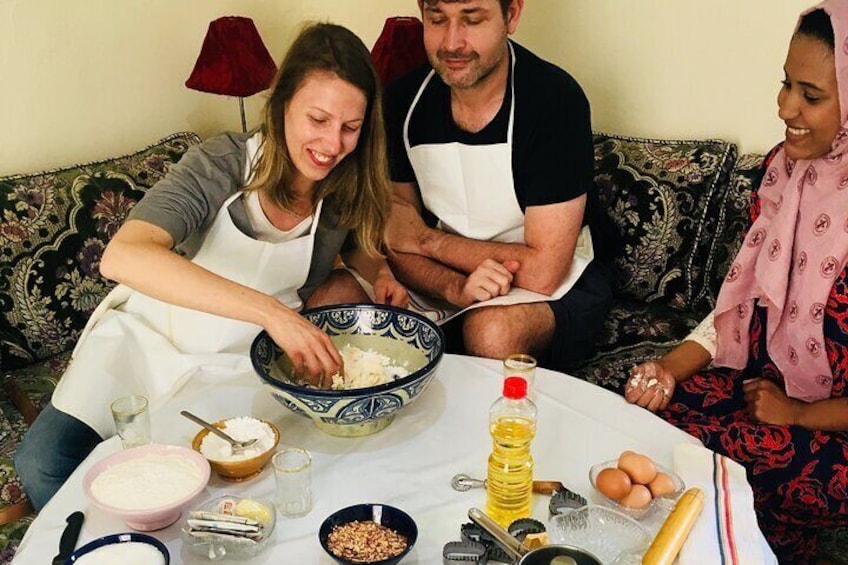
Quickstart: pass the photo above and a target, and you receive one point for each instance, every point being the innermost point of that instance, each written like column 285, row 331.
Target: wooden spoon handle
column 547, row 487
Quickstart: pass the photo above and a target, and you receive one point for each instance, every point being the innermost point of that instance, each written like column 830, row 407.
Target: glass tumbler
column 132, row 420
column 521, row 365
column 293, row 473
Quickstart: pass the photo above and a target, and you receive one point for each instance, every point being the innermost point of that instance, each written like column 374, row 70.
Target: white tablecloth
column 408, row 465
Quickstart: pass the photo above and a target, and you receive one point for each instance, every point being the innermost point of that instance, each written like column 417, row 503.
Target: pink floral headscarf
column 790, row 269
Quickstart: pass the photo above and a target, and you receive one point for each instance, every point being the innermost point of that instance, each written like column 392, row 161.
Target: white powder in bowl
column 148, row 481
column 240, row 429
column 365, row 368
column 127, row 553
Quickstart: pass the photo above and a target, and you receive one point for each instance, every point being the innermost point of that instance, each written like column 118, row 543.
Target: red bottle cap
column 515, row 387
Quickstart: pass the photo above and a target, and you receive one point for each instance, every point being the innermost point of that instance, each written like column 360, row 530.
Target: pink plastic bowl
column 148, row 519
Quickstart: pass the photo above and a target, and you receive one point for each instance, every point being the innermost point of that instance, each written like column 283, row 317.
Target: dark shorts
column 579, row 317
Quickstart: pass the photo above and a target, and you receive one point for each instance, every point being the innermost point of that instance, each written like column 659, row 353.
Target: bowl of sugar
column 127, row 549
column 238, row 465
column 147, row 486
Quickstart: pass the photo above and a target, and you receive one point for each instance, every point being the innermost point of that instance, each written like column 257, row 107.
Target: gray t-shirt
column 186, row 201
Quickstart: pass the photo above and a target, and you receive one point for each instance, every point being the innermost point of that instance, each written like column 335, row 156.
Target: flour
column 128, row 553
column 145, row 482
column 240, row 429
column 364, row 368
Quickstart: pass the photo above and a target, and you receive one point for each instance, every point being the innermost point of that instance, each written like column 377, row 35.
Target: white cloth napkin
column 726, row 531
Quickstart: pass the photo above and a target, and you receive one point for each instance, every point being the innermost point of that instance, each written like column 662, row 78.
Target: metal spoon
column 237, row 445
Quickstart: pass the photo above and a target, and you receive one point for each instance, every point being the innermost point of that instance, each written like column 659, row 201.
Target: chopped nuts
column 365, row 542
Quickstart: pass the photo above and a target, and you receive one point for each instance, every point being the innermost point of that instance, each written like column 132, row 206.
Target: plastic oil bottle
column 509, row 482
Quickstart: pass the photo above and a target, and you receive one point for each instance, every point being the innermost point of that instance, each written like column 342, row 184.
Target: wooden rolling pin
column 675, row 529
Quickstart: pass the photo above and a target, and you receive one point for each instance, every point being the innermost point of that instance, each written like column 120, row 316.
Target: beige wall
column 88, row 79
column 672, row 68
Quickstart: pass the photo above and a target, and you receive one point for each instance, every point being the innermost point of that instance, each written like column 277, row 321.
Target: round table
column 408, row 465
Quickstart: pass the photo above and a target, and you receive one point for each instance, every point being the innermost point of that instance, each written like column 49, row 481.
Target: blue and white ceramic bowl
column 409, row 339
column 107, row 543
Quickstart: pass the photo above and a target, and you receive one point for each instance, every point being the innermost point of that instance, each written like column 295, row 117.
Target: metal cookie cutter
column 473, row 533
column 564, row 501
column 463, row 552
column 523, row 526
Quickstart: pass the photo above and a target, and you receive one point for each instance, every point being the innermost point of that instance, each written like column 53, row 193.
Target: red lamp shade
column 233, row 60
column 399, row 49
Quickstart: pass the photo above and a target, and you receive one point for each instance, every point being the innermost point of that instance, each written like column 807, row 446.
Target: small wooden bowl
column 242, row 469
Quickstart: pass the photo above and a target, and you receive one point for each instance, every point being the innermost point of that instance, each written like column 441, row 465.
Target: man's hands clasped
column 489, row 280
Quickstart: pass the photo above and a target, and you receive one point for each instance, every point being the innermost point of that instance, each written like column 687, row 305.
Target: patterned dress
column 799, row 477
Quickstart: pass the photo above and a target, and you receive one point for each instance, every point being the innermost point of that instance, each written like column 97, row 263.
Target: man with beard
column 494, row 145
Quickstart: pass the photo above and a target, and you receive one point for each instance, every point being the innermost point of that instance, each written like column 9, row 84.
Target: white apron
column 137, row 344
column 470, row 189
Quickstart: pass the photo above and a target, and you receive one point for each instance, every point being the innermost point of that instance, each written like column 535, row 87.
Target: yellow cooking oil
column 509, row 484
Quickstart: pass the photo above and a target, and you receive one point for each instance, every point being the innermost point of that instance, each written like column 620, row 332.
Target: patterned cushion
column 54, row 228
column 12, row 430
column 10, row 537
column 13, row 501
column 634, row 332
column 7, row 436
column 11, row 491
column 660, row 196
column 733, row 221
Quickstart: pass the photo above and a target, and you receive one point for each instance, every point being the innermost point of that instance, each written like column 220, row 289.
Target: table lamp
column 233, row 61
column 400, row 48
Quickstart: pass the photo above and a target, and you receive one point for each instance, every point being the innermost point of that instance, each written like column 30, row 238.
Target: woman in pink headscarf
column 774, row 398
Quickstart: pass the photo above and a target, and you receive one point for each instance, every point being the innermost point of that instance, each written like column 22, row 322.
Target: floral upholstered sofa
column 672, row 215
column 54, row 228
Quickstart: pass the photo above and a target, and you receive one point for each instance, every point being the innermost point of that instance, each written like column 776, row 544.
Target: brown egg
column 639, row 497
column 661, row 485
column 613, row 483
column 639, row 467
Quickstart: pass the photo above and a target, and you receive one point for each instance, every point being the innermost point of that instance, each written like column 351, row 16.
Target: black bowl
column 116, row 539
column 392, row 518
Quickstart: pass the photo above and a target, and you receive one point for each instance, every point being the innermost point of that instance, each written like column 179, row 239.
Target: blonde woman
column 239, row 235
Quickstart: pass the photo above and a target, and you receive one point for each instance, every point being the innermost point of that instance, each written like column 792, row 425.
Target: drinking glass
column 521, row 365
column 293, row 472
column 132, row 420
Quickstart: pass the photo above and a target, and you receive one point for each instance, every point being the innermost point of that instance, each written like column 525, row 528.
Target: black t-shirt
column 552, row 155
